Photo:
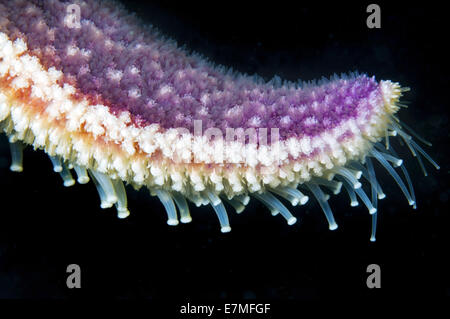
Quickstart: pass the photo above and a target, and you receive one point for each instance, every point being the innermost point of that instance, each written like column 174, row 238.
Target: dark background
column 44, row 227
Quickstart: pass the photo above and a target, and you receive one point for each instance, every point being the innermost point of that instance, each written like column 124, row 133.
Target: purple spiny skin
column 127, row 66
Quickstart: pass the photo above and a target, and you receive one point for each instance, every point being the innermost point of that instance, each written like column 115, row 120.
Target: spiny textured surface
column 119, row 63
column 109, row 94
column 107, row 97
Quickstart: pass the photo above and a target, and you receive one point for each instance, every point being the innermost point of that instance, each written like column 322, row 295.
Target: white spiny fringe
column 394, row 175
column 82, row 175
column 275, row 206
column 223, row 217
column 121, row 204
column 66, row 176
column 367, row 175
column 183, row 208
column 348, row 175
column 244, row 199
column 106, row 185
column 213, row 198
column 408, row 179
column 56, row 161
column 168, row 204
column 112, row 191
column 351, row 193
column 321, row 199
column 16, row 156
column 237, row 205
column 374, row 227
column 332, row 185
column 104, row 203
